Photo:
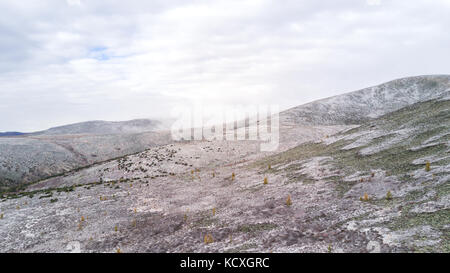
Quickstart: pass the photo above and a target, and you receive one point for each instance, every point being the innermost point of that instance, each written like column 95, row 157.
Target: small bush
column 427, row 167
column 364, row 198
column 266, row 181
column 389, row 195
column 233, row 176
column 208, row 239
column 289, row 201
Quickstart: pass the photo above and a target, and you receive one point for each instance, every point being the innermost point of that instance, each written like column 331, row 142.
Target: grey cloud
column 159, row 53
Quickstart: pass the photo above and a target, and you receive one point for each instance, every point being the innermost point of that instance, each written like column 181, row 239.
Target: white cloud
column 118, row 60
column 74, row 2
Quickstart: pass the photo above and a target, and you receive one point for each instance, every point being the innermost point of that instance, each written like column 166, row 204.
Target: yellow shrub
column 208, row 239
column 266, row 181
column 233, row 176
column 365, row 198
column 427, row 167
column 214, row 211
column 288, row 200
column 389, row 195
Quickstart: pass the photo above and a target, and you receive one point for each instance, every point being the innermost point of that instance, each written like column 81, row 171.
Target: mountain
column 25, row 158
column 10, row 134
column 28, row 158
column 380, row 186
column 99, row 127
column 363, row 105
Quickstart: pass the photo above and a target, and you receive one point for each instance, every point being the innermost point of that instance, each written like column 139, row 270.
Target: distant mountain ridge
column 11, row 134
column 100, row 127
column 365, row 104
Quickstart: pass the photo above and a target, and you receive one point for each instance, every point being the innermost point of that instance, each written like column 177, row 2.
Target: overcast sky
column 69, row 61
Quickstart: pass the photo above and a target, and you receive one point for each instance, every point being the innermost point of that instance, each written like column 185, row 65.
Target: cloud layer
column 64, row 62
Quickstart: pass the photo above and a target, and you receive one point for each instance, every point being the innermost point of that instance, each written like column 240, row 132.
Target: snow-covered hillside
column 359, row 106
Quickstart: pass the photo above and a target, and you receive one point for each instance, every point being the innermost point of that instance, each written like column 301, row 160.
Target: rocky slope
column 31, row 158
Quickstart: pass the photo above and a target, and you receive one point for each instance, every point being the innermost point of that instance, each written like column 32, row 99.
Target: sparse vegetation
column 252, row 228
